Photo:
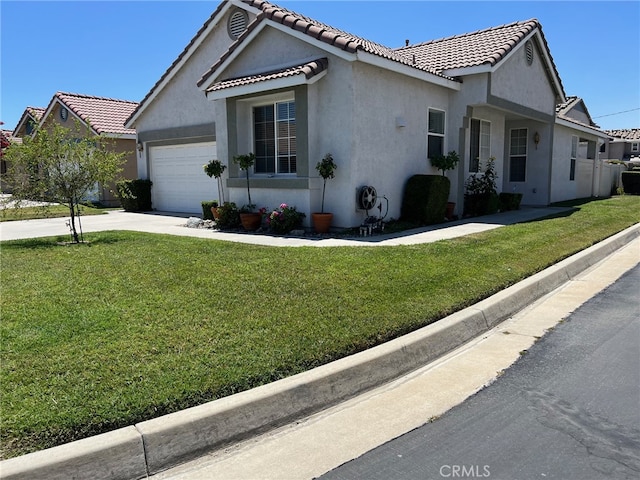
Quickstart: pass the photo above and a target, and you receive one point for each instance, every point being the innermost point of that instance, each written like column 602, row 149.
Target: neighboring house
column 259, row 78
column 29, row 120
column 101, row 116
column 578, row 171
column 624, row 145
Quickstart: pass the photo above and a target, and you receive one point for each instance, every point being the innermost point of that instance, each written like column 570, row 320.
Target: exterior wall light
column 140, row 146
column 536, row 139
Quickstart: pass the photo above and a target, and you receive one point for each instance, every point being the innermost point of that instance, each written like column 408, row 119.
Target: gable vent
column 237, row 23
column 528, row 50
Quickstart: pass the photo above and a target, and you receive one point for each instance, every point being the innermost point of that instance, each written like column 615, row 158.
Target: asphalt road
column 568, row 409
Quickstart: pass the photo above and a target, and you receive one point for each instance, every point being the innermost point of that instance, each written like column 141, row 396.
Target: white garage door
column 179, row 181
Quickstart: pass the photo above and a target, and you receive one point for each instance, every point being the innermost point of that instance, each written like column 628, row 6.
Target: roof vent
column 528, row 50
column 237, row 23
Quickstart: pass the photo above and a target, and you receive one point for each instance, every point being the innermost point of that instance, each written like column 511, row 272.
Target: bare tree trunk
column 72, row 223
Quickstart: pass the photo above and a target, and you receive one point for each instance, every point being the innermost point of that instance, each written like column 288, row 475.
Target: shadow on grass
column 61, row 241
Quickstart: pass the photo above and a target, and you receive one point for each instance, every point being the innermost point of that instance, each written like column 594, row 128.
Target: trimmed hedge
column 425, row 199
column 477, row 204
column 135, row 195
column 509, row 201
column 631, row 182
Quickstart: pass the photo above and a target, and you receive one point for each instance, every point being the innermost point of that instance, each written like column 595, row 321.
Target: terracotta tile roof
column 309, row 70
column 36, row 112
column 106, row 115
column 628, row 134
column 320, row 31
column 483, row 47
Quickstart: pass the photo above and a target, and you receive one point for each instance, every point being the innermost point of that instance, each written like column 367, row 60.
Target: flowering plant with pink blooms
column 284, row 219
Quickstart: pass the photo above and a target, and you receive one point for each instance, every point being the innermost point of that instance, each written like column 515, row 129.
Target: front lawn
column 132, row 326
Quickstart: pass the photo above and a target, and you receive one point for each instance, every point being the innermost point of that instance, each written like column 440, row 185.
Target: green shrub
column 135, row 195
column 228, row 216
column 206, row 209
column 509, row 201
column 425, row 199
column 481, row 196
column 631, row 182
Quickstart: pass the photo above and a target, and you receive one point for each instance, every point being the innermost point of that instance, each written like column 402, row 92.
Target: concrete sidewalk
column 174, row 224
column 161, row 446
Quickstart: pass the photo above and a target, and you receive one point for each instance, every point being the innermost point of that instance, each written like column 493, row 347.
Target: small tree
column 245, row 162
column 326, row 168
column 446, row 162
column 215, row 168
column 61, row 165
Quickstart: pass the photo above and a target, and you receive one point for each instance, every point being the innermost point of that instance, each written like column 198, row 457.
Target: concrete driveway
column 174, row 224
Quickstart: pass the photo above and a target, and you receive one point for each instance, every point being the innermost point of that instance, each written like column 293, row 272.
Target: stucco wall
column 181, row 103
column 527, row 85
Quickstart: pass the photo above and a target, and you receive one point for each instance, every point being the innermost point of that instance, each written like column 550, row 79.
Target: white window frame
column 635, row 146
column 513, row 155
column 274, row 104
column 431, row 133
column 484, row 145
column 573, row 158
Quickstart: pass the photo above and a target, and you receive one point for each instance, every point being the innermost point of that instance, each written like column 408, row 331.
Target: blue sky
column 119, row 49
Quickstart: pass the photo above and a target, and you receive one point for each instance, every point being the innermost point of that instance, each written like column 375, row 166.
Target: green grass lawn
column 50, row 211
column 132, row 326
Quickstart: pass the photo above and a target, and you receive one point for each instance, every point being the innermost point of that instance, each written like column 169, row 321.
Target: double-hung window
column 435, row 136
column 635, row 146
column 274, row 131
column 518, row 155
column 574, row 157
column 480, row 146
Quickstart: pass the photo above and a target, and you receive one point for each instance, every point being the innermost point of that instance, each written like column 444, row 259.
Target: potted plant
column 284, row 219
column 444, row 163
column 250, row 220
column 326, row 168
column 215, row 168
column 480, row 196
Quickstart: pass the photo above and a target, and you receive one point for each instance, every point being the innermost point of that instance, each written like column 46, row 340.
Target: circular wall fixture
column 237, row 23
column 528, row 51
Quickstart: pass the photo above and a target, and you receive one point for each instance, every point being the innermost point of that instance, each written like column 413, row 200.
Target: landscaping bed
column 131, row 326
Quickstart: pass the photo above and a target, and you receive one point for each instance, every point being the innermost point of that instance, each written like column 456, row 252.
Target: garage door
column 179, row 182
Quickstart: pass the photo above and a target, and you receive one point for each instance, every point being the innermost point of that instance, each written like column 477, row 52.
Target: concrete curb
column 156, row 445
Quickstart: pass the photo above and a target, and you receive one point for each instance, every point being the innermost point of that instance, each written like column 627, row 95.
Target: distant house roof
column 563, row 111
column 106, row 116
column 628, row 134
column 30, row 113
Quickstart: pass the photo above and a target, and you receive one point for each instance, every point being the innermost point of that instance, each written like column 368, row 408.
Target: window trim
column 573, row 157
column 442, row 135
column 273, row 104
column 512, row 156
column 473, row 166
column 635, row 146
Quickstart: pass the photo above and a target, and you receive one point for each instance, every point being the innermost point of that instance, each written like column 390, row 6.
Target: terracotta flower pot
column 322, row 222
column 251, row 221
column 214, row 212
column 451, row 206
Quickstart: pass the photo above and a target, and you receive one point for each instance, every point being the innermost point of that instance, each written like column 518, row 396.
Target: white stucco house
column 259, row 78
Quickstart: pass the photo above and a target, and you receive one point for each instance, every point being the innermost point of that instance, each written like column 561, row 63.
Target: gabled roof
column 627, row 134
column 30, row 113
column 319, row 31
column 106, row 116
column 563, row 109
column 482, row 48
